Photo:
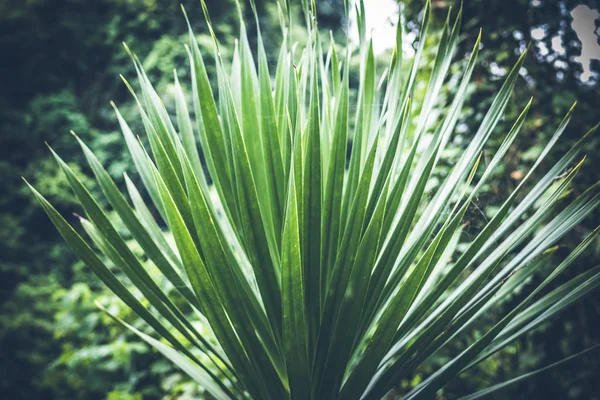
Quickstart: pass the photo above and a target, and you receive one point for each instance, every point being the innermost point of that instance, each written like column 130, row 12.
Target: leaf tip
column 79, row 217
column 573, row 106
column 529, row 103
column 127, row 49
column 100, row 306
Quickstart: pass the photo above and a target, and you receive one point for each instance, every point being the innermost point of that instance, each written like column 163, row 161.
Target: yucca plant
column 325, row 273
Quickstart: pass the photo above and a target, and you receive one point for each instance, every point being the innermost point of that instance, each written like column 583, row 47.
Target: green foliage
column 320, row 279
column 551, row 76
column 99, row 360
column 61, row 69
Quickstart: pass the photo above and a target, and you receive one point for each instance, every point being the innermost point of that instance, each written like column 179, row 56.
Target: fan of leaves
column 324, row 273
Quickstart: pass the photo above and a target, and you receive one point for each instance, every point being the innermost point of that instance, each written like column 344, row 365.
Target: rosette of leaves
column 304, row 238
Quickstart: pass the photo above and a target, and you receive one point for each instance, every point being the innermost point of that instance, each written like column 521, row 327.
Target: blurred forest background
column 59, row 67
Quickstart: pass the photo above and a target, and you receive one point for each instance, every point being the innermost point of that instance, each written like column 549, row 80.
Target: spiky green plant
column 318, row 279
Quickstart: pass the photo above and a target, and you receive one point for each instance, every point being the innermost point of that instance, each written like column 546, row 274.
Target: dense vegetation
column 63, row 67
